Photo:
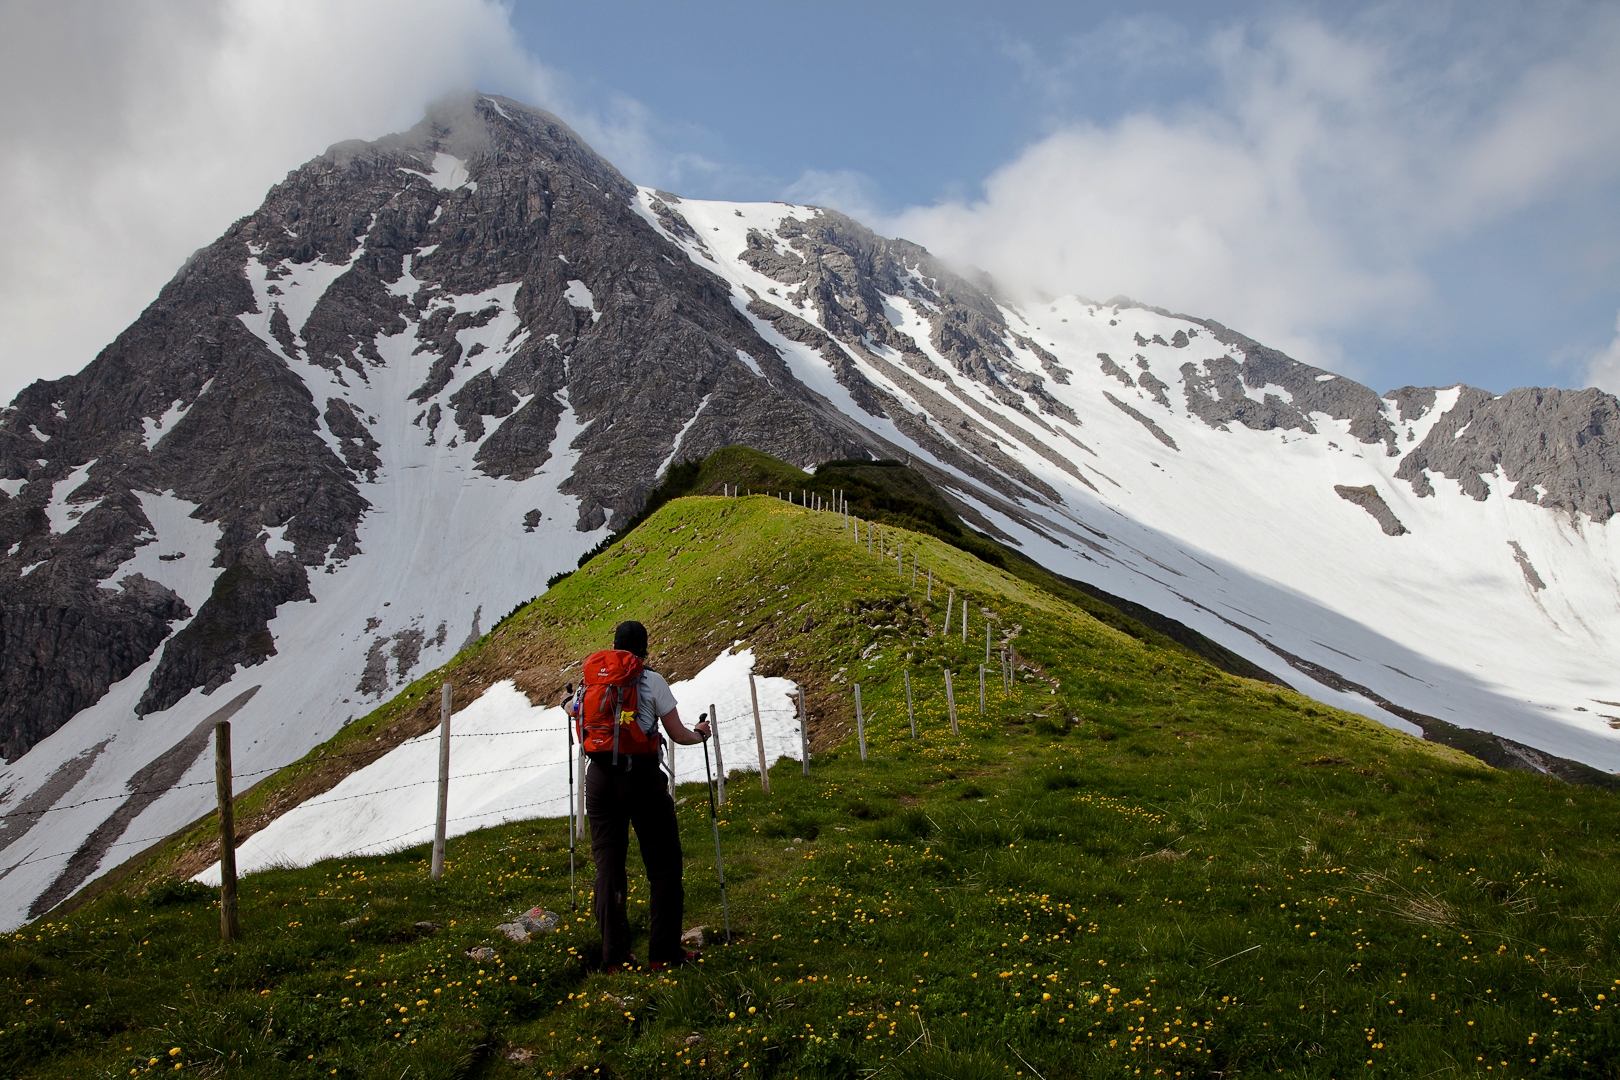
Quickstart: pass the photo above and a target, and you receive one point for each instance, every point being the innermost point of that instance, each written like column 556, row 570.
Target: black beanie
column 631, row 637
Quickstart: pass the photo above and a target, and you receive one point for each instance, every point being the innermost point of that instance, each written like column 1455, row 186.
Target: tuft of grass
column 1179, row 871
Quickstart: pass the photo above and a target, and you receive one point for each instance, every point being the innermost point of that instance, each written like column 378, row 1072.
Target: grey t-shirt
column 653, row 699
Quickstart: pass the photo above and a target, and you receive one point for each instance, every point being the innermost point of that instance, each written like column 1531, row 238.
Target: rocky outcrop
column 471, row 237
column 1215, row 389
column 1368, row 499
column 1157, row 431
column 1558, row 448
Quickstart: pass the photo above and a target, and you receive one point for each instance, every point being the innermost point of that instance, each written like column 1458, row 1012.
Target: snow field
column 508, row 762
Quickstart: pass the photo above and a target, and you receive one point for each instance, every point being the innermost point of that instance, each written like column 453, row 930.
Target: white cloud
column 137, row 132
column 1603, row 370
column 1304, row 194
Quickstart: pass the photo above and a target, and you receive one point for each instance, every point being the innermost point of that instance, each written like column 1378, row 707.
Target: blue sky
column 1404, row 193
column 884, row 107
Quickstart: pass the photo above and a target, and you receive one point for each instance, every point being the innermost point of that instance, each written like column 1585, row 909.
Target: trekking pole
column 714, row 822
column 573, row 899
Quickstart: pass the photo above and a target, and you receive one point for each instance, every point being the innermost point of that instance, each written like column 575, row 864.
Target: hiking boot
column 662, row 965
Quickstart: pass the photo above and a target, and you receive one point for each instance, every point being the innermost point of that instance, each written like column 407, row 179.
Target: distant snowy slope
column 1163, row 459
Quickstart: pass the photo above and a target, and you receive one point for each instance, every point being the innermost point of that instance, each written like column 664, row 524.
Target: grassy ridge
column 1135, row 864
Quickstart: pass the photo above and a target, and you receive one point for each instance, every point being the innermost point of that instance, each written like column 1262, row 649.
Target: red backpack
column 605, row 717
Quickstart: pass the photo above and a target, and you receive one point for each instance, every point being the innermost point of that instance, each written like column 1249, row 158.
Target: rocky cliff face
column 432, row 370
column 541, row 259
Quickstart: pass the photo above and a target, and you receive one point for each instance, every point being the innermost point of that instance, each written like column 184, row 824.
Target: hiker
column 617, row 710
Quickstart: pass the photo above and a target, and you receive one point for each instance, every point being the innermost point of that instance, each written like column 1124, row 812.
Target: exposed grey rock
column 1049, row 363
column 537, row 920
column 1563, row 442
column 64, row 642
column 1411, row 402
column 1312, row 389
column 481, row 953
column 1155, row 386
column 1215, row 394
column 231, row 629
column 1368, row 499
column 1111, row 368
column 1531, row 578
column 1158, row 432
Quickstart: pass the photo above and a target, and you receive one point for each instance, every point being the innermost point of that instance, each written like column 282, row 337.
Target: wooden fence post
column 581, row 828
column 930, row 595
column 860, row 721
column 950, row 700
column 759, row 736
column 230, row 928
column 719, row 760
column 672, row 769
column 950, row 603
column 440, row 817
column 987, row 643
column 804, row 732
column 964, row 620
column 911, row 713
column 981, row 690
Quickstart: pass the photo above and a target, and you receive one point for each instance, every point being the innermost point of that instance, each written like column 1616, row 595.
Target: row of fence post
column 230, row 926
column 1009, row 665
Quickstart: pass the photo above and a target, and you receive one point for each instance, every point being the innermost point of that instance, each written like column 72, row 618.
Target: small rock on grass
column 693, row 938
column 537, row 920
column 481, row 953
column 519, row 1056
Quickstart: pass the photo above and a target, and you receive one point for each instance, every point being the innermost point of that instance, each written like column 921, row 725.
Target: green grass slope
column 1133, row 865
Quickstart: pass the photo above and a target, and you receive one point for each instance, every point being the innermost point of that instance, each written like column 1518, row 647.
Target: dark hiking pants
column 615, row 800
